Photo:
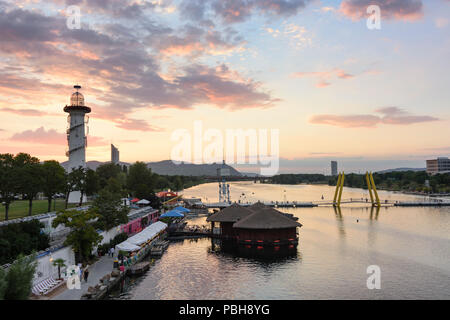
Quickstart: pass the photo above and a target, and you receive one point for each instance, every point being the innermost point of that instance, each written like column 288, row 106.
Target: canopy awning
column 182, row 209
column 147, row 234
column 172, row 214
column 135, row 200
column 143, row 201
column 126, row 246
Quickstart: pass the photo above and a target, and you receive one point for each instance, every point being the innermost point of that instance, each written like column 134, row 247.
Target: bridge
column 375, row 201
column 324, row 203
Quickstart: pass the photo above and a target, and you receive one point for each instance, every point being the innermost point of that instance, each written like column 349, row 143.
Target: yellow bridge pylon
column 374, row 199
column 338, row 192
column 371, row 185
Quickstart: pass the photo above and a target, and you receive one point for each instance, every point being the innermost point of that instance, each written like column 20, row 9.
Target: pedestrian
column 80, row 271
column 111, row 251
column 86, row 273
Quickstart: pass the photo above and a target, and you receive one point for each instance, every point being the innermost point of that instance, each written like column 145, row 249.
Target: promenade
column 96, row 271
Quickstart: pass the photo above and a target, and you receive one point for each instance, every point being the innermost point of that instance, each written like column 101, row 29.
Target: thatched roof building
column 232, row 213
column 266, row 218
column 257, row 224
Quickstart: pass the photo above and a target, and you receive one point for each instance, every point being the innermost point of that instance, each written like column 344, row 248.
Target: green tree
column 80, row 180
column 21, row 238
column 92, row 182
column 59, row 263
column 139, row 175
column 107, row 171
column 108, row 205
column 29, row 177
column 178, row 183
column 83, row 236
column 76, row 180
column 20, row 278
column 70, row 184
column 54, row 180
column 7, row 181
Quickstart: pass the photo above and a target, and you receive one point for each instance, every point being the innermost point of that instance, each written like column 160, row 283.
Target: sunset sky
column 371, row 99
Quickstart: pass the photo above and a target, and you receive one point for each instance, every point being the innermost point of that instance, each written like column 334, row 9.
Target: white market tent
column 125, row 246
column 143, row 201
column 142, row 237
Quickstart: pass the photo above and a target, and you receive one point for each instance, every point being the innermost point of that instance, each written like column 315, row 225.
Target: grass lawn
column 19, row 208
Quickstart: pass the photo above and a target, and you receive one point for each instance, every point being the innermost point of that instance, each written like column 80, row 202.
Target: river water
column 411, row 246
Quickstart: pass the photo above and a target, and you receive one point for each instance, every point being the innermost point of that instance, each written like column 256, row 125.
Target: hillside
column 167, row 167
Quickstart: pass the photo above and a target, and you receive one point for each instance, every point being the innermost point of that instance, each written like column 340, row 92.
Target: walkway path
column 96, row 271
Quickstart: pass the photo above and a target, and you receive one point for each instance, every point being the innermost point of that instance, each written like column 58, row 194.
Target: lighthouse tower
column 76, row 136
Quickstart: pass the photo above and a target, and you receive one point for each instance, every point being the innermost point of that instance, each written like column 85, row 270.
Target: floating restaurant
column 258, row 225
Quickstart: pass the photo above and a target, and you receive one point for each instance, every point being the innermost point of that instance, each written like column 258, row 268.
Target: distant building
column 439, row 165
column 114, row 154
column 334, row 168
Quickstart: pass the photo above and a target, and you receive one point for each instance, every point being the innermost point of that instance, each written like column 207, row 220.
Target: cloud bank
column 389, row 115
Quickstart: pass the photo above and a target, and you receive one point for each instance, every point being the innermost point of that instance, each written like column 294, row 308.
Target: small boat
column 158, row 248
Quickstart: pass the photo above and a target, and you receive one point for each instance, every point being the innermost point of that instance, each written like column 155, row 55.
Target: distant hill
column 401, row 169
column 92, row 164
column 167, row 167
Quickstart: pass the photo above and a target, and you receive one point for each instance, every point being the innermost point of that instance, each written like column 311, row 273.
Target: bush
column 21, row 238
column 20, row 278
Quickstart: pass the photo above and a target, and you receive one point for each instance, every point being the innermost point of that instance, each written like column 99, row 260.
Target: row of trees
column 297, row 179
column 395, row 181
column 414, row 181
column 24, row 175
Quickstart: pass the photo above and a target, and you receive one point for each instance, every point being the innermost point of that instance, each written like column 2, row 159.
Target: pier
column 312, row 204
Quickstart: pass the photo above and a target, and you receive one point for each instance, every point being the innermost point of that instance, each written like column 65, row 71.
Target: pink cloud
column 136, row 125
column 324, row 76
column 407, row 10
column 25, row 112
column 50, row 137
column 322, row 84
column 391, row 116
column 346, row 121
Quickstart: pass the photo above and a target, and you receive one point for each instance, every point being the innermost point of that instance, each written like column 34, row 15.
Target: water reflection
column 411, row 246
column 257, row 253
column 340, row 221
column 377, row 211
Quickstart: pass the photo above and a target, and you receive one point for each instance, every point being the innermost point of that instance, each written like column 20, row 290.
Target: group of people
column 84, row 272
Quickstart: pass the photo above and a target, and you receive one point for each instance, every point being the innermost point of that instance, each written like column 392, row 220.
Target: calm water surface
column 410, row 245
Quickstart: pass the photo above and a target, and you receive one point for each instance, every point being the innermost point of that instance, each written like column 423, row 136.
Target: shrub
column 21, row 238
column 20, row 278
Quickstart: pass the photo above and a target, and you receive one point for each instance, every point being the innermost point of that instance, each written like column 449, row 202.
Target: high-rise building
column 439, row 165
column 334, row 168
column 76, row 136
column 114, row 154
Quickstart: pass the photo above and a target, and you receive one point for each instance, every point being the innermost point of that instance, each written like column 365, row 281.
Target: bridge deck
column 299, row 204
